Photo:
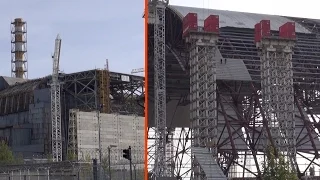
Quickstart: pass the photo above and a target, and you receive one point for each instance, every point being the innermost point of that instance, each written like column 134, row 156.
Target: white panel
column 121, row 131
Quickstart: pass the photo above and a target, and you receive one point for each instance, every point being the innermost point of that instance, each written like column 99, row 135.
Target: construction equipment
column 56, row 104
column 157, row 10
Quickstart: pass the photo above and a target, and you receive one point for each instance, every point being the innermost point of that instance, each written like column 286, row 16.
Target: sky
column 95, row 30
column 91, row 32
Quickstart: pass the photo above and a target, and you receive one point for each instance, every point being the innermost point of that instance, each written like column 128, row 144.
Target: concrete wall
column 120, row 131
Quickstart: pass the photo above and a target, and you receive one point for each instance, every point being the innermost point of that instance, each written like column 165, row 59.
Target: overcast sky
column 93, row 30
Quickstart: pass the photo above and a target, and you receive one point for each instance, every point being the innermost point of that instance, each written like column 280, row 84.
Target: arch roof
column 235, row 19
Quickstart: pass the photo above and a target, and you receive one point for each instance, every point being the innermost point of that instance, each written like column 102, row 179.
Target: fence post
column 48, row 174
column 29, row 174
column 95, row 169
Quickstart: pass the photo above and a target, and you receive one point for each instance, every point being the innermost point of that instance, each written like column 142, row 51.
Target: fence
column 68, row 171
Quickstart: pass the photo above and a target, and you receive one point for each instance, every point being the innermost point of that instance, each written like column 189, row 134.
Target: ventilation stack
column 19, row 49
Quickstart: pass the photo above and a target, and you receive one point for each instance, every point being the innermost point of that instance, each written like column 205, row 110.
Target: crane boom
column 56, row 104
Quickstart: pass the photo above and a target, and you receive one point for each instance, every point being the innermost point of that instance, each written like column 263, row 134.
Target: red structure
column 288, row 30
column 262, row 29
column 189, row 23
column 211, row 24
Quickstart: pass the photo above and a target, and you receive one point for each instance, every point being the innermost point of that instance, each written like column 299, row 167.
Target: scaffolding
column 104, row 91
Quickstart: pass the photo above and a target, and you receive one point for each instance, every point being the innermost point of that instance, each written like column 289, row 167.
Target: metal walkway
column 208, row 164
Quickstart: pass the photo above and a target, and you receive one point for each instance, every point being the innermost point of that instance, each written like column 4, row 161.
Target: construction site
column 224, row 86
column 64, row 122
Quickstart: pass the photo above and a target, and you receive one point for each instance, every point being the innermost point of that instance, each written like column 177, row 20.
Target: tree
column 6, row 155
column 277, row 168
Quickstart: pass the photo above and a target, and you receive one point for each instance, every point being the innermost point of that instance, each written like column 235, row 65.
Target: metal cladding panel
column 21, row 137
column 235, row 19
column 42, row 95
column 231, row 69
column 12, row 81
column 36, row 148
column 13, row 119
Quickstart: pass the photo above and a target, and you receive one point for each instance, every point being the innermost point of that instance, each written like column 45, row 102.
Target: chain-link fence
column 70, row 171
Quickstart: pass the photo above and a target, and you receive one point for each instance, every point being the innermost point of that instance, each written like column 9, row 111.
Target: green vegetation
column 276, row 168
column 71, row 156
column 7, row 157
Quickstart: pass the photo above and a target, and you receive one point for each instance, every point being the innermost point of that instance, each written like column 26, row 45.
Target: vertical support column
column 203, row 97
column 277, row 91
column 169, row 151
column 72, row 135
column 160, row 168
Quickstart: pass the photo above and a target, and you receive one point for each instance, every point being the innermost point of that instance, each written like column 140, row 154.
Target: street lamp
column 109, row 159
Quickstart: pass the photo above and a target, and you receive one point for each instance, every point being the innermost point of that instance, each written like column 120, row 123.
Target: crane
column 158, row 9
column 56, row 104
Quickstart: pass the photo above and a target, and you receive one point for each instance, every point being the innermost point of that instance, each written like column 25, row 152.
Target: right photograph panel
column 228, row 96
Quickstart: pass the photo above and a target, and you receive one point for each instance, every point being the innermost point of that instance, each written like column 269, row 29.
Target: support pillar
column 278, row 93
column 203, row 97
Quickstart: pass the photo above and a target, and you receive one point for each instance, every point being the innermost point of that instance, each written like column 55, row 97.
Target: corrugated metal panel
column 12, row 80
column 235, row 19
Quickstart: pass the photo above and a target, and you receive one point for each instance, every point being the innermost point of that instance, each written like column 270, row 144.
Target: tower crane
column 56, row 104
column 158, row 9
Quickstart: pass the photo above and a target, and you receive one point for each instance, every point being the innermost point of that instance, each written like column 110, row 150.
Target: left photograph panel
column 72, row 90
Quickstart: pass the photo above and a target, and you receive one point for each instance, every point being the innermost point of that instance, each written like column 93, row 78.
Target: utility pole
column 135, row 171
column 127, row 155
column 109, row 159
column 99, row 136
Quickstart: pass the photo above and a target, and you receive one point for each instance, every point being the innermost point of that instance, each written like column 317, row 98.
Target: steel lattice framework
column 161, row 167
column 242, row 117
column 56, row 105
column 203, row 97
column 278, row 93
